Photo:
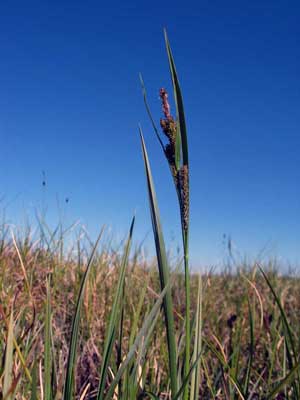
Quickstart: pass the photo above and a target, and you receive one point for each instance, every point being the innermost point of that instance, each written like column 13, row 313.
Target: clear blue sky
column 70, row 104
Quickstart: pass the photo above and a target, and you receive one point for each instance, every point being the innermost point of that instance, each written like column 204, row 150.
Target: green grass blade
column 8, row 364
column 150, row 114
column 75, row 327
column 195, row 378
column 290, row 342
column 292, row 358
column 163, row 270
column 34, row 381
column 177, row 149
column 227, row 368
column 187, row 378
column 287, row 380
column 179, row 105
column 146, row 327
column 133, row 332
column 137, row 313
column 141, row 356
column 120, row 337
column 253, row 394
column 112, row 327
column 47, row 359
column 283, row 316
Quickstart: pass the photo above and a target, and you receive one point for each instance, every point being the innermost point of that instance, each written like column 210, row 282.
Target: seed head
column 185, row 195
column 168, row 126
column 165, row 104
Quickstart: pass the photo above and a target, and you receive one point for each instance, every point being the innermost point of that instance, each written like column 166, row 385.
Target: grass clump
column 238, row 352
column 243, row 342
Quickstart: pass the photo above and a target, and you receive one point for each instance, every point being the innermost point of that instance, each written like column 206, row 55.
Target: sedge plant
column 177, row 156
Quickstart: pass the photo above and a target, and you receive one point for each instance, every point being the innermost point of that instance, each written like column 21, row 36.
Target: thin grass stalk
column 251, row 349
column 226, row 368
column 133, row 333
column 47, row 357
column 147, row 328
column 291, row 354
column 187, row 378
column 8, row 363
column 113, row 321
column 68, row 387
column 188, row 312
column 284, row 365
column 34, row 381
column 283, row 384
column 18, row 350
column 195, row 381
column 119, row 346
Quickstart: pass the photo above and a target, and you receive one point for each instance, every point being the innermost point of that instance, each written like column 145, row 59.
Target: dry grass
column 225, row 318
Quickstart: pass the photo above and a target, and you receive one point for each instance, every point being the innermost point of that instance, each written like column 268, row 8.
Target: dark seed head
column 231, row 321
column 185, row 195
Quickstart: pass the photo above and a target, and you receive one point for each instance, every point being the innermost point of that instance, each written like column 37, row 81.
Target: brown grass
column 225, row 317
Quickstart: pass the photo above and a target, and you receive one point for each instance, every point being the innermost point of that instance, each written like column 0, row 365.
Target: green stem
column 187, row 312
column 185, row 242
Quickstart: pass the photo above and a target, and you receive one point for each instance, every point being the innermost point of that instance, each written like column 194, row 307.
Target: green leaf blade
column 163, row 269
column 68, row 387
column 179, row 105
column 113, row 321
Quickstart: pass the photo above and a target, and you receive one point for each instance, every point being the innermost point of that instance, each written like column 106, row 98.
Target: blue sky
column 70, row 104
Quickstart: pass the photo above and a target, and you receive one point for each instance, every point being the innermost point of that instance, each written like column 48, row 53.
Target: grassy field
column 239, row 316
column 98, row 323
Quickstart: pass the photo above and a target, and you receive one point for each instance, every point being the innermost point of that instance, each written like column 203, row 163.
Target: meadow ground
column 239, row 316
